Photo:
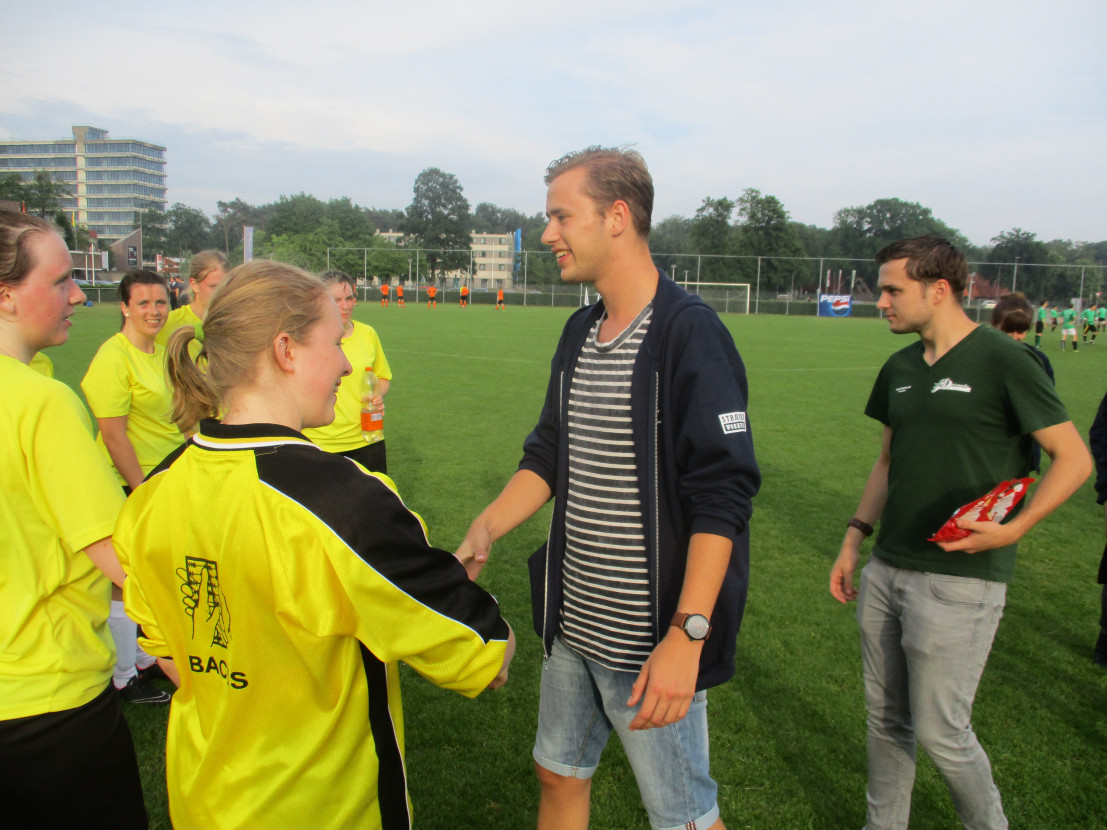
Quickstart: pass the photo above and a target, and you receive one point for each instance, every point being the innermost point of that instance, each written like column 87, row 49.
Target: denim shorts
column 583, row 701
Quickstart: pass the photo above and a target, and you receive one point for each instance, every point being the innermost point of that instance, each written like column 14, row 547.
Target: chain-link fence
column 728, row 283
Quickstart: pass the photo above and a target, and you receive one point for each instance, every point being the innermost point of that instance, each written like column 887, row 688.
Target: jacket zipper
column 549, row 536
column 656, row 513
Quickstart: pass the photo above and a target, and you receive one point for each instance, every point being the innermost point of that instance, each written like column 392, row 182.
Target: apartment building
column 110, row 179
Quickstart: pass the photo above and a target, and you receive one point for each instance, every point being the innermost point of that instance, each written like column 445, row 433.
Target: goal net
column 722, row 296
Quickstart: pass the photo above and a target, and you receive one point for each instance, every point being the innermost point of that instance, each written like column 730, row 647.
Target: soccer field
column 788, row 732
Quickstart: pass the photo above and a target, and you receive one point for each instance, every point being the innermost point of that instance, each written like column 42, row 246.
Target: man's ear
column 618, row 217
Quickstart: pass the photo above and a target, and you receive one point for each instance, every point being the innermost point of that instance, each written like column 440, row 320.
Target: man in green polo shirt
column 961, row 408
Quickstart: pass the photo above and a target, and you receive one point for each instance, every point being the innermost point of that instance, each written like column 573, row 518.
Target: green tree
column 187, row 230
column 541, row 268
column 489, row 218
column 438, row 218
column 386, row 219
column 712, row 233
column 294, row 215
column 230, row 218
column 767, row 232
column 155, row 230
column 859, row 232
column 354, row 222
column 42, row 194
column 45, row 193
column 1017, row 246
column 11, row 187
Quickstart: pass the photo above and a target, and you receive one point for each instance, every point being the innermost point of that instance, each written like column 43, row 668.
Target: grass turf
column 788, row 732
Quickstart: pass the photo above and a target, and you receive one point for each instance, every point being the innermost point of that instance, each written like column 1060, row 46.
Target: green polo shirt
column 959, row 428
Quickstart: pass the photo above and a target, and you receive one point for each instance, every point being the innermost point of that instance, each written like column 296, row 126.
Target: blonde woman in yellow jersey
column 65, row 749
column 206, row 272
column 287, row 583
column 129, row 395
column 362, row 348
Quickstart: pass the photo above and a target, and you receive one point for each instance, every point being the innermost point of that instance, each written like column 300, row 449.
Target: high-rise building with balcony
column 110, row 180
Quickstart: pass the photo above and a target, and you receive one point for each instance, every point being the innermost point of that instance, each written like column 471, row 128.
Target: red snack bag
column 991, row 507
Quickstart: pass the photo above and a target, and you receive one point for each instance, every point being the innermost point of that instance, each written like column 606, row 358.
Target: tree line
column 745, row 239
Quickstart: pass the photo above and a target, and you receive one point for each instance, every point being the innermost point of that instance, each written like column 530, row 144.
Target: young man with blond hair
column 644, row 444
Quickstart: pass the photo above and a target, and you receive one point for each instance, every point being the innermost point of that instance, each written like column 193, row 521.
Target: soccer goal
column 722, row 296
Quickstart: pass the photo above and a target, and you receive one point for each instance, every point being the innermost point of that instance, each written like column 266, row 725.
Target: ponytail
column 193, row 397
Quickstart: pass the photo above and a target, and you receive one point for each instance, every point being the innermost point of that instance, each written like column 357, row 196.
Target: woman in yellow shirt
column 127, row 391
column 362, row 348
column 65, row 749
column 206, row 272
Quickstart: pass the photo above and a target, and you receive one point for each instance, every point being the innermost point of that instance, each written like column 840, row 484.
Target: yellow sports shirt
column 178, row 319
column 42, row 364
column 287, row 583
column 58, row 498
column 124, row 380
column 363, row 348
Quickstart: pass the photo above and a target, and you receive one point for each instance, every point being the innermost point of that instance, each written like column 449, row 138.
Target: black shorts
column 372, row 457
column 75, row 768
column 1039, row 327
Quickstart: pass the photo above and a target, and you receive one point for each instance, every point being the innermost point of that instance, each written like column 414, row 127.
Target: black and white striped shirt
column 606, row 610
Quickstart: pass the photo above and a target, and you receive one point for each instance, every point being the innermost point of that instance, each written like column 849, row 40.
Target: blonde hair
column 204, row 263
column 259, row 300
column 16, row 232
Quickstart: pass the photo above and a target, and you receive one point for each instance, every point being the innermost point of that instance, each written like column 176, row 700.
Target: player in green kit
column 1039, row 326
column 1088, row 318
column 1068, row 326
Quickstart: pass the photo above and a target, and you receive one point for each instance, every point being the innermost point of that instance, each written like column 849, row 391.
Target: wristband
column 865, row 528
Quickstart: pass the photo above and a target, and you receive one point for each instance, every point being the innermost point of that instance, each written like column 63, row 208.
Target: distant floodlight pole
column 1015, row 278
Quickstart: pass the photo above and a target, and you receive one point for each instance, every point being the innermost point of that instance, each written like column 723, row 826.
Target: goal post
column 722, row 296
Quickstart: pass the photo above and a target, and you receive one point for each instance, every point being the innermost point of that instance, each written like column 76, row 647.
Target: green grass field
column 788, row 732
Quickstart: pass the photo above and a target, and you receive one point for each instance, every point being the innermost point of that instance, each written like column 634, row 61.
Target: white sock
column 142, row 659
column 124, row 631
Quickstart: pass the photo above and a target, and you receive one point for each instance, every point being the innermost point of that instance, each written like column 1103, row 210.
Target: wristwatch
column 695, row 626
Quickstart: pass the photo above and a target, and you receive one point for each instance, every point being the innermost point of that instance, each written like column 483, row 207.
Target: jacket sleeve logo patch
column 733, row 422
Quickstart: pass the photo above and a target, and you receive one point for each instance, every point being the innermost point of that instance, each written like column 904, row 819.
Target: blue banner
column 835, row 305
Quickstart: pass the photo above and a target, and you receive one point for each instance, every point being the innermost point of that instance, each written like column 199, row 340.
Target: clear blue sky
column 989, row 113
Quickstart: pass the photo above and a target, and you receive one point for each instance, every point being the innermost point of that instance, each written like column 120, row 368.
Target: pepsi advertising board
column 835, row 305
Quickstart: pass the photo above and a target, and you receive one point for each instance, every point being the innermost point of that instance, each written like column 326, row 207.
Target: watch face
column 696, row 626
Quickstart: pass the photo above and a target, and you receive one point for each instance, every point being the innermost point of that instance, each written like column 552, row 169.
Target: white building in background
column 110, row 179
column 492, row 256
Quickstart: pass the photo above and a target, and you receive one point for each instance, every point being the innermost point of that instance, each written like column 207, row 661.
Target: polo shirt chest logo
column 947, row 385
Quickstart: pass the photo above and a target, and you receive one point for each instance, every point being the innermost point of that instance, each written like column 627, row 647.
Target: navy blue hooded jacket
column 694, row 453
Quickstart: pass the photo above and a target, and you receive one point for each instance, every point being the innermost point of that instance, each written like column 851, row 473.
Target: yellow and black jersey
column 287, row 596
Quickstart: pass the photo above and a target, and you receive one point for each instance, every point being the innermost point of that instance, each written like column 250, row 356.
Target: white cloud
column 985, row 112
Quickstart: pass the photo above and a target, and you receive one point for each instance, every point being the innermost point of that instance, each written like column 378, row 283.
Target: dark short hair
column 335, row 277
column 929, row 259
column 1012, row 314
column 612, row 173
column 140, row 277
